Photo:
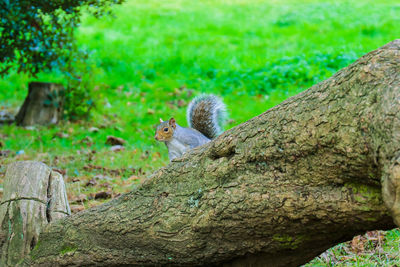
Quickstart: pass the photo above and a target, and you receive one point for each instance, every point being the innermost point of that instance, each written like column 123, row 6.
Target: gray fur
column 210, row 120
column 206, row 115
column 183, row 140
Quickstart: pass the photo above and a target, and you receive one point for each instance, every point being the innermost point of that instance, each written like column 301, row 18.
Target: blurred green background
column 151, row 57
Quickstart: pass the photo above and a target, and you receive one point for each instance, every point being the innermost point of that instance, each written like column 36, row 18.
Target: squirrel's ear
column 161, row 120
column 172, row 123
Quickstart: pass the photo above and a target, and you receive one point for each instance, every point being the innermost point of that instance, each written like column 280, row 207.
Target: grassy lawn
column 152, row 57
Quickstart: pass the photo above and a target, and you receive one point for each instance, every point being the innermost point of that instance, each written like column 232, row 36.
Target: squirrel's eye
column 165, row 129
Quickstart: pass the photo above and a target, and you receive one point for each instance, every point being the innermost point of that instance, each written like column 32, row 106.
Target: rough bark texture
column 276, row 190
column 33, row 196
column 58, row 206
column 43, row 105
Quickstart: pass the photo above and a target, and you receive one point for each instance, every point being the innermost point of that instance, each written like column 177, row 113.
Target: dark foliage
column 38, row 35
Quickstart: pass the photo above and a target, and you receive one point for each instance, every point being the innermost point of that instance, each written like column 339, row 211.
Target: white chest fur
column 176, row 148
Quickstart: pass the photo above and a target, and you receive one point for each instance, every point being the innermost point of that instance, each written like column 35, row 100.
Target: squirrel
column 206, row 115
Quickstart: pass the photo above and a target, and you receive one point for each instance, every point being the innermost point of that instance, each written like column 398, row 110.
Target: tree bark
column 276, row 190
column 33, row 196
column 43, row 105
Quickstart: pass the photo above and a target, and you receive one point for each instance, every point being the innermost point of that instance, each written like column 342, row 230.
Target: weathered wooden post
column 34, row 195
column 43, row 105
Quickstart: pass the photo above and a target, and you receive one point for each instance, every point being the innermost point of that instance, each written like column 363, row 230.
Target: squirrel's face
column 165, row 130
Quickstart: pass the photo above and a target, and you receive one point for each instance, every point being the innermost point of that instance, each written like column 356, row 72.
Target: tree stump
column 34, row 195
column 43, row 105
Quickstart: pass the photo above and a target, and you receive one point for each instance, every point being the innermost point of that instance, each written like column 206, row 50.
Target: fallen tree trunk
column 276, row 190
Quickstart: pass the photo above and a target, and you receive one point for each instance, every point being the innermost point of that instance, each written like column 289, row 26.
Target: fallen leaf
column 105, row 185
column 91, row 182
column 103, row 195
column 181, row 103
column 117, row 128
column 134, row 177
column 178, row 91
column 5, row 153
column 87, row 141
column 6, row 117
column 112, row 140
column 78, row 199
column 77, row 208
column 171, row 104
column 82, row 197
column 61, row 135
column 93, row 129
column 145, row 154
column 375, row 235
column 62, row 172
column 117, row 148
column 102, row 177
column 90, row 167
column 357, row 244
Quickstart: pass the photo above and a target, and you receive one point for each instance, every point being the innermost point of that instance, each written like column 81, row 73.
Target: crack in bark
column 49, row 198
column 24, row 198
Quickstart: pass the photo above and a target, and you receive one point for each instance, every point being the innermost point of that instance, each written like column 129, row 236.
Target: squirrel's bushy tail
column 207, row 114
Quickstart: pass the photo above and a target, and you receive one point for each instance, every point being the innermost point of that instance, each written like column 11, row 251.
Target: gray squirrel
column 206, row 115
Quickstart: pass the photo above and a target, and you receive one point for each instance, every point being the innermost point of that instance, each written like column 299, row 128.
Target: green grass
column 375, row 248
column 255, row 54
